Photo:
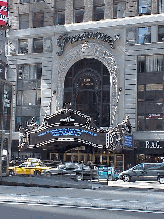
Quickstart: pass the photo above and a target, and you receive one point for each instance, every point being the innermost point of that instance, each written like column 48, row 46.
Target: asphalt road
column 125, row 199
column 36, row 212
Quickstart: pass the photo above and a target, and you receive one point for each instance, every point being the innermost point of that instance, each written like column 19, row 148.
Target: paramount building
column 104, row 58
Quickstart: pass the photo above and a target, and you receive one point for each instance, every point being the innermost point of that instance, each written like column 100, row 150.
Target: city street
column 44, row 212
column 114, row 199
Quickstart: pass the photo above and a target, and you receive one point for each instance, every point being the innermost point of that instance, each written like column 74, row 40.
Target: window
column 144, row 35
column 79, row 15
column 119, row 10
column 161, row 33
column 23, row 46
column 23, row 72
column 84, row 88
column 144, row 7
column 150, row 93
column 22, row 121
column 99, row 13
column 38, row 19
column 60, row 19
column 24, row 1
column 23, row 21
column 161, row 6
column 28, row 97
column 38, row 45
column 152, row 63
column 28, row 72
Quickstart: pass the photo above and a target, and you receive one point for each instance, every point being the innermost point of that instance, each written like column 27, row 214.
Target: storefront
column 149, row 151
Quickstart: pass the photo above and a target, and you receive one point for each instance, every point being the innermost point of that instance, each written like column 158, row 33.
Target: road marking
column 117, row 200
column 68, row 206
column 133, row 201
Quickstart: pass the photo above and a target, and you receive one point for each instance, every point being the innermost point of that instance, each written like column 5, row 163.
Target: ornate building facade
column 84, row 52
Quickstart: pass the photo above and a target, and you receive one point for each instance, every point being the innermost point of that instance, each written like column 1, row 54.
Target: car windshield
column 138, row 167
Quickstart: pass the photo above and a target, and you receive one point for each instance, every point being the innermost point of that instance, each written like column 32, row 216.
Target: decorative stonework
column 92, row 50
column 48, row 44
column 65, row 38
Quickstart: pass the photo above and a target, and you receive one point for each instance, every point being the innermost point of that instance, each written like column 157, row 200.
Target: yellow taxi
column 28, row 168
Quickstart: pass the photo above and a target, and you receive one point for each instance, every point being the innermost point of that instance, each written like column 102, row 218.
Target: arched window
column 87, row 88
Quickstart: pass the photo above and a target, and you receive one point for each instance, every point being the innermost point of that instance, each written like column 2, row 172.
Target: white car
column 54, row 171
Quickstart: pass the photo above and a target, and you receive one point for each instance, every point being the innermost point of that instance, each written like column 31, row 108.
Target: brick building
column 85, row 51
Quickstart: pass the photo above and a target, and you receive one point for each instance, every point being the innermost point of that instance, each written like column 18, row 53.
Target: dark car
column 85, row 173
column 144, row 172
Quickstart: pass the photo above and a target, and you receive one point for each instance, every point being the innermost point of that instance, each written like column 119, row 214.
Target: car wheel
column 11, row 173
column 79, row 177
column 160, row 179
column 37, row 173
column 126, row 178
column 48, row 174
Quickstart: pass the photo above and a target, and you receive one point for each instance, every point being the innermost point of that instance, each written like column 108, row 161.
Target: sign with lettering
column 152, row 144
column 3, row 12
column 128, row 141
column 67, row 131
column 65, row 38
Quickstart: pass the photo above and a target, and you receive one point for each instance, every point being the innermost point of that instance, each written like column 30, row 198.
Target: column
column 108, row 9
column 154, row 9
column 69, row 12
column 88, row 14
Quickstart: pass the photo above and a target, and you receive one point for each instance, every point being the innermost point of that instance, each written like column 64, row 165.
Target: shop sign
column 152, row 144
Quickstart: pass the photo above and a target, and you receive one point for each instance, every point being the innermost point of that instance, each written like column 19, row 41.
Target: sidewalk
column 61, row 182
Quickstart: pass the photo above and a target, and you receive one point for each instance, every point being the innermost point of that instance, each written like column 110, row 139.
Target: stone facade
column 121, row 61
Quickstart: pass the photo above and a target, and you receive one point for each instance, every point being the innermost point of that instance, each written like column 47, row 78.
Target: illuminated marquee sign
column 128, row 141
column 67, row 131
column 3, row 12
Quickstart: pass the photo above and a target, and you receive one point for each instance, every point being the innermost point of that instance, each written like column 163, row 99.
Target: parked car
column 27, row 168
column 67, row 168
column 84, row 172
column 144, row 172
column 54, row 171
column 107, row 173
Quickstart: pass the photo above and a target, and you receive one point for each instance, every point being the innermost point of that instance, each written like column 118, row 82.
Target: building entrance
column 87, row 88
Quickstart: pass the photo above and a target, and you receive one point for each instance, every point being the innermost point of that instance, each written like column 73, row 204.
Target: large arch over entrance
column 88, row 51
column 87, row 88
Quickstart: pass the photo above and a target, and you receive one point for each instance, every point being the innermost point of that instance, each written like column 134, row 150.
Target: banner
column 3, row 12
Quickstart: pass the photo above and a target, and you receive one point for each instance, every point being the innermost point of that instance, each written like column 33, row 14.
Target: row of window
column 38, row 18
column 37, row 46
column 144, row 34
column 119, row 11
column 29, row 84
column 150, row 95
